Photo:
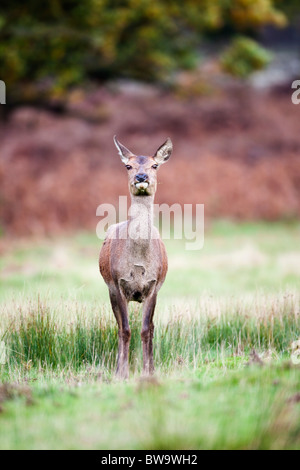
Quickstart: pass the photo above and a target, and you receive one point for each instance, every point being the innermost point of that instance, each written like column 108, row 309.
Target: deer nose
column 141, row 177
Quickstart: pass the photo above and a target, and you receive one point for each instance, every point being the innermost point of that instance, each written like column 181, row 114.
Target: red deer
column 133, row 259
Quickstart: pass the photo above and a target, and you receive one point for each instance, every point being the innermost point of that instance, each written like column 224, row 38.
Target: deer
column 133, row 259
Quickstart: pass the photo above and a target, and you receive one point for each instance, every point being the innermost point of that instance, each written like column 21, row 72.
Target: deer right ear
column 164, row 152
column 124, row 153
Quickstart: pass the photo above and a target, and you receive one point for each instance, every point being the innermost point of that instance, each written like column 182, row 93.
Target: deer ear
column 124, row 153
column 164, row 152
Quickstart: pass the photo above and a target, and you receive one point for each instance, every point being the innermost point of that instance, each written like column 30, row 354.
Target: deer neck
column 140, row 226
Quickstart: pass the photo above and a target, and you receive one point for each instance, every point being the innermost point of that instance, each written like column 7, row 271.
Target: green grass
column 48, row 338
column 210, row 408
column 236, row 259
column 240, row 293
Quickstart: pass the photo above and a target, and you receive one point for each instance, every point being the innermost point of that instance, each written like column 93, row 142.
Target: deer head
column 142, row 171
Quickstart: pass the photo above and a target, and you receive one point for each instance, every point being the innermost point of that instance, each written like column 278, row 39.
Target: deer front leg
column 119, row 306
column 147, row 334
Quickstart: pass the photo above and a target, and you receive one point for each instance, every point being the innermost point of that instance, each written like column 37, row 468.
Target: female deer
column 133, row 259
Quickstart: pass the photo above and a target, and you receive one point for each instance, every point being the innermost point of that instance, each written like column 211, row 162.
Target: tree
column 47, row 47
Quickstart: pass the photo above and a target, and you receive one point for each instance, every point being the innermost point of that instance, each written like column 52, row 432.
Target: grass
column 44, row 338
column 253, row 409
column 210, row 391
column 235, row 260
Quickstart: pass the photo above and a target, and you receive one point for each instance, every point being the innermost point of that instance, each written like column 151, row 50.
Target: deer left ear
column 164, row 152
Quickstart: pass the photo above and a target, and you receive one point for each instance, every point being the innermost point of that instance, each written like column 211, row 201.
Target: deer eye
column 129, row 167
column 155, row 166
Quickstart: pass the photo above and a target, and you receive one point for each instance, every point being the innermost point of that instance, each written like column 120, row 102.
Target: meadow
column 225, row 324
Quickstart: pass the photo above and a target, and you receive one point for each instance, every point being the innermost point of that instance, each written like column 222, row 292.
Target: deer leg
column 151, row 361
column 147, row 334
column 119, row 306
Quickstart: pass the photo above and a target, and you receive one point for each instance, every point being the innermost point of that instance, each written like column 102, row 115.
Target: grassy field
column 226, row 320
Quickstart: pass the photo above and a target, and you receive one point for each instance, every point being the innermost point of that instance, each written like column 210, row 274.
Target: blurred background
column 214, row 76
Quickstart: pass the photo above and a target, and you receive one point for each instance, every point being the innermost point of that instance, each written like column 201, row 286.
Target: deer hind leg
column 147, row 334
column 120, row 309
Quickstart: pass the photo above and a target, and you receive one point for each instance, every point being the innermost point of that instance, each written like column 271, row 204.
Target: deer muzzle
column 141, row 185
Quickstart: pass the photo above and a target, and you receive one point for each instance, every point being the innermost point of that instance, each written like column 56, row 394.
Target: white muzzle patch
column 142, row 185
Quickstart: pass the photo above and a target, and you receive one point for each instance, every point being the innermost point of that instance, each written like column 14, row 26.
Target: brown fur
column 134, row 269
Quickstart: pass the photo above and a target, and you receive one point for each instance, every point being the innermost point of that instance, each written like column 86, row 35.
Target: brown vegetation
column 235, row 151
